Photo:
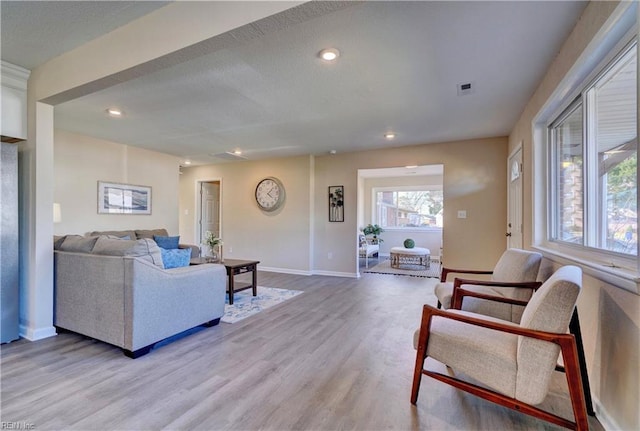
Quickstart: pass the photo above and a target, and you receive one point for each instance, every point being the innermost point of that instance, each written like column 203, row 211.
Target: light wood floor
column 338, row 357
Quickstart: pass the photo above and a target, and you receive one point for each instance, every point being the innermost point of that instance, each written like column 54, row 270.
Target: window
column 402, row 208
column 593, row 151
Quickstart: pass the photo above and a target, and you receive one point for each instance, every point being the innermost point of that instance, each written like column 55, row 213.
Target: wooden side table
column 236, row 267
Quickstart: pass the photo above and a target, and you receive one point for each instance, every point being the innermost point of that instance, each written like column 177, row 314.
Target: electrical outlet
column 462, row 214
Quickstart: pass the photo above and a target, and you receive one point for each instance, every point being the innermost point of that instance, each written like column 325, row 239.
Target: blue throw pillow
column 167, row 242
column 175, row 257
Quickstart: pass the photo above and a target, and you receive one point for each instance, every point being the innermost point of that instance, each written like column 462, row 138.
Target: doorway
column 407, row 202
column 210, row 209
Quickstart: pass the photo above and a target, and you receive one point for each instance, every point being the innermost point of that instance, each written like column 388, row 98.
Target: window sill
column 620, row 277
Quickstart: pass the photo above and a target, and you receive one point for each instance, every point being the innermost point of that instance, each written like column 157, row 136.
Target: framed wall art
column 116, row 198
column 336, row 203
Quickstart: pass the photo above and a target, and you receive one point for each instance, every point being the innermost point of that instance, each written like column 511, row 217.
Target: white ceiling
column 271, row 96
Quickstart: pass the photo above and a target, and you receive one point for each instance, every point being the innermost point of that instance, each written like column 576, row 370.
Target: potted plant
column 212, row 242
column 375, row 230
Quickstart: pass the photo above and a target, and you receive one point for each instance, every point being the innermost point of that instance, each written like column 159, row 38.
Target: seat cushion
column 483, row 354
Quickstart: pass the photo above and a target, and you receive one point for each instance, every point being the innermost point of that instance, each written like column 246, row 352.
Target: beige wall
column 300, row 239
column 280, row 240
column 474, row 180
column 610, row 316
column 81, row 161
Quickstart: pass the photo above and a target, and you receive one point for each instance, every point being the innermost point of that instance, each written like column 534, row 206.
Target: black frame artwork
column 336, row 203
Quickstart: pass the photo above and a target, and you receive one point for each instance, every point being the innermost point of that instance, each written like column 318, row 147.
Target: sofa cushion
column 78, row 243
column 145, row 249
column 141, row 233
column 124, row 234
column 58, row 240
column 175, row 257
column 167, row 242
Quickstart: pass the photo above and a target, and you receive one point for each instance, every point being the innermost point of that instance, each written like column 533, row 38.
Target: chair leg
column 574, row 382
column 420, row 354
column 574, row 328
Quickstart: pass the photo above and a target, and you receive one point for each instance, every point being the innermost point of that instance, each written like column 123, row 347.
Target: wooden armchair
column 509, row 364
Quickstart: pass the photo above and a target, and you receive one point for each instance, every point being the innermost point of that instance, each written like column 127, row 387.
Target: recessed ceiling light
column 329, row 54
column 187, row 162
column 389, row 135
column 411, row 166
column 237, row 152
column 114, row 112
column 332, row 152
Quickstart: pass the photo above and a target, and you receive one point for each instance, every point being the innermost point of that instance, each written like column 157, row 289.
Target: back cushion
column 78, row 243
column 116, row 233
column 145, row 249
column 517, row 265
column 550, row 310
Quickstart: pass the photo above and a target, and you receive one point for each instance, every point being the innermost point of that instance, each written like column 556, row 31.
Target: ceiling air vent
column 229, row 155
column 466, row 88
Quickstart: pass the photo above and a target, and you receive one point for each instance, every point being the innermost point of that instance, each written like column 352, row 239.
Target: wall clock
column 269, row 194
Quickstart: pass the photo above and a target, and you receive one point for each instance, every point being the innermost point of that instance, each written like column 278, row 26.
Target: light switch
column 462, row 214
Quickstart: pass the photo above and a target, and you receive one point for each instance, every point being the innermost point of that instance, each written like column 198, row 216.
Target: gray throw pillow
column 78, row 243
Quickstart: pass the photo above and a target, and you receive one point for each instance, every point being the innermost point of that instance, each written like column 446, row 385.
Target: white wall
column 81, row 161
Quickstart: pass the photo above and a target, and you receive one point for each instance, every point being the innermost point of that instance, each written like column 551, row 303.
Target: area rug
column 384, row 267
column 245, row 304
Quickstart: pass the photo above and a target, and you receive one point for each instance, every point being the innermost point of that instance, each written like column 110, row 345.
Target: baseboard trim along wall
column 36, row 334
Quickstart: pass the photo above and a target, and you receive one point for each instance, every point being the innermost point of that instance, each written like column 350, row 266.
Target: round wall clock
column 269, row 194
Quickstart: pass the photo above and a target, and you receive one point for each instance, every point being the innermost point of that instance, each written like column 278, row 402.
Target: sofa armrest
column 195, row 250
column 160, row 303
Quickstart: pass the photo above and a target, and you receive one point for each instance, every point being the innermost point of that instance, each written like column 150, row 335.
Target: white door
column 209, row 208
column 514, row 216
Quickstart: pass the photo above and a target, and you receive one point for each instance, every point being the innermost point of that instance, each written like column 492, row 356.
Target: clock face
column 269, row 194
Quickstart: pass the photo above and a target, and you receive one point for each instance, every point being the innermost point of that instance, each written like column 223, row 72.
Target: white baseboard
column 605, row 419
column 284, row 270
column 35, row 334
column 336, row 274
column 309, row 273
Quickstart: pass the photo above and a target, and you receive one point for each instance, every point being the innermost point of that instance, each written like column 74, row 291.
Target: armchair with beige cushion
column 518, row 268
column 507, row 363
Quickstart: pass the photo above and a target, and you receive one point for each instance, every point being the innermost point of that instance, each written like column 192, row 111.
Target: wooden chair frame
column 574, row 326
column 568, row 348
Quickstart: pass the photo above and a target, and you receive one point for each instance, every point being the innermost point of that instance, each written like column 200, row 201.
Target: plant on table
column 212, row 242
column 375, row 230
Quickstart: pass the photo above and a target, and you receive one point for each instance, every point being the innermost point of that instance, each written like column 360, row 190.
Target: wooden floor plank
column 337, row 357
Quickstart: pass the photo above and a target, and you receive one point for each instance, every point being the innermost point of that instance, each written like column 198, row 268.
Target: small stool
column 410, row 256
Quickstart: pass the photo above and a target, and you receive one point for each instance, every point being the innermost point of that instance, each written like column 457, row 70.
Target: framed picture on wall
column 336, row 203
column 116, row 198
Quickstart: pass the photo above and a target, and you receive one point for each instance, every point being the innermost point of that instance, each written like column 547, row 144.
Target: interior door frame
column 516, row 150
column 198, row 208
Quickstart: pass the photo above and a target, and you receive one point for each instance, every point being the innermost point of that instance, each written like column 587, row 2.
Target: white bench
column 410, row 256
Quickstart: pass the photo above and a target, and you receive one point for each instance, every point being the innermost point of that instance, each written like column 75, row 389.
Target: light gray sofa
column 117, row 291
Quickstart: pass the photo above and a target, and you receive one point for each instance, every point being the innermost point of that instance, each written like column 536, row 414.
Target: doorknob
column 507, row 234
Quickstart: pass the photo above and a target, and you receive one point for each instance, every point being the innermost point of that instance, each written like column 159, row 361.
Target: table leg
column 254, row 278
column 231, row 277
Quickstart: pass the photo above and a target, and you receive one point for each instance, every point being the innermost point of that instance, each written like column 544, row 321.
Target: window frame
column 608, row 44
column 374, row 205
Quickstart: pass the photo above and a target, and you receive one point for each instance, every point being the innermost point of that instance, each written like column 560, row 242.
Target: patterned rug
column 245, row 304
column 384, row 267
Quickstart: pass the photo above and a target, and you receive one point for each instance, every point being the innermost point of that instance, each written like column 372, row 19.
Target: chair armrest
column 195, row 250
column 447, row 271
column 459, row 293
column 429, row 311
